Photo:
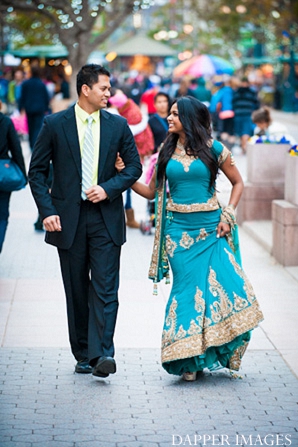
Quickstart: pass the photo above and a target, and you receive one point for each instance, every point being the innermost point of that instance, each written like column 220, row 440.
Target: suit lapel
column 71, row 134
column 106, row 132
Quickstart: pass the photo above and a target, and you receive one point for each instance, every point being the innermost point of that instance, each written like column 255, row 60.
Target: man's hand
column 52, row 223
column 96, row 194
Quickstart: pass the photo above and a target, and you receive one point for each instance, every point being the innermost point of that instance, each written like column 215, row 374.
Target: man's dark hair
column 35, row 71
column 88, row 75
column 159, row 94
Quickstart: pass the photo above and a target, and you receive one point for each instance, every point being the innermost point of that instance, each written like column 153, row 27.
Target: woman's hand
column 119, row 163
column 223, row 229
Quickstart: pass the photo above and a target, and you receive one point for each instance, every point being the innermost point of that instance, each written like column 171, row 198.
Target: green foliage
column 33, row 29
column 224, row 27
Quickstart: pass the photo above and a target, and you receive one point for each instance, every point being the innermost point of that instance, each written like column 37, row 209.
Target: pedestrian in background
column 212, row 307
column 269, row 129
column 83, row 213
column 14, row 90
column 245, row 101
column 218, row 84
column 127, row 108
column 201, row 92
column 158, row 121
column 34, row 101
column 184, row 89
column 9, row 148
column 226, row 113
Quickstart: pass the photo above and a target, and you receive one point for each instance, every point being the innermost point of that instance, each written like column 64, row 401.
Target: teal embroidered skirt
column 212, row 307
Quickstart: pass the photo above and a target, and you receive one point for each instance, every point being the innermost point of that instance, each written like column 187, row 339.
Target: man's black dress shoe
column 104, row 366
column 83, row 367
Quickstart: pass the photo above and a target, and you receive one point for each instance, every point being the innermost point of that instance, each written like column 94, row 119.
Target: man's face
column 98, row 95
column 161, row 104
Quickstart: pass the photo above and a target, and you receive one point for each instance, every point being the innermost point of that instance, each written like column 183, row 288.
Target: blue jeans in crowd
column 4, row 214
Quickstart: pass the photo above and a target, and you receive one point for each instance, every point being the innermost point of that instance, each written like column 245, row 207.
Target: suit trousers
column 90, row 272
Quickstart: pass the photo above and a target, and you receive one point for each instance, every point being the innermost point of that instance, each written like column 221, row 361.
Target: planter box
column 256, row 201
column 285, row 232
column 291, row 179
column 266, row 163
column 265, row 180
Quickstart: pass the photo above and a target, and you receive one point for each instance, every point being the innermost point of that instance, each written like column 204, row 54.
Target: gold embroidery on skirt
column 186, row 241
column 222, row 308
column 181, row 333
column 235, row 360
column 239, row 303
column 170, row 246
column 171, row 321
column 215, row 335
column 250, row 295
column 202, row 236
column 194, row 328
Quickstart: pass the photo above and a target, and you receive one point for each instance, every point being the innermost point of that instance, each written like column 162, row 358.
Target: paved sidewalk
column 44, row 404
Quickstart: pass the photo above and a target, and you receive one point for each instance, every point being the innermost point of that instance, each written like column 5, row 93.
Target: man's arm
column 39, row 172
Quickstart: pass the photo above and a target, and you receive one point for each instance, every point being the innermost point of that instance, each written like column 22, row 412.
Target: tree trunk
column 77, row 57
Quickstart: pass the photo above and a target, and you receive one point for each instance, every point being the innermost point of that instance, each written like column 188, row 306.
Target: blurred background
column 146, row 43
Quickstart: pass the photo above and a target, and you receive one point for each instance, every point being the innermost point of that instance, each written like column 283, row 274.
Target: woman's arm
column 232, row 173
column 147, row 191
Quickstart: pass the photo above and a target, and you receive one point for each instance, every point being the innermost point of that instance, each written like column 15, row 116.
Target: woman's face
column 175, row 125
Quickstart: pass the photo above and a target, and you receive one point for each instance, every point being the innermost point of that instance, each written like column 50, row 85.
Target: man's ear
column 85, row 89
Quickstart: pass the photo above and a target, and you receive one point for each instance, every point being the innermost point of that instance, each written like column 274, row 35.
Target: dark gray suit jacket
column 58, row 142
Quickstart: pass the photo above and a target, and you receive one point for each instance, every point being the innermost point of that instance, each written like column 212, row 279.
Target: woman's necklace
column 181, row 148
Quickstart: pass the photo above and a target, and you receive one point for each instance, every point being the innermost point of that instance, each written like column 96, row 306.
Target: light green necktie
column 87, row 158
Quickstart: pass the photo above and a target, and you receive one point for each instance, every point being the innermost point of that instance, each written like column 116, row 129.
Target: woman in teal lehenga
column 212, row 307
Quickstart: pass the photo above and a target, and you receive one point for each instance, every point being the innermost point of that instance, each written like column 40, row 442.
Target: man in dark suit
column 35, row 101
column 86, row 222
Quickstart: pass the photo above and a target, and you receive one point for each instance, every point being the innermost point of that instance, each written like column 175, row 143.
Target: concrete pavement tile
column 136, row 431
column 136, row 444
column 32, row 438
column 127, row 438
column 59, row 444
column 73, row 437
column 5, row 443
column 154, row 438
column 92, row 444
column 34, row 290
column 7, row 289
column 37, row 336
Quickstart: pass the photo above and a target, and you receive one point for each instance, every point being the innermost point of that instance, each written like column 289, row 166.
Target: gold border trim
column 211, row 205
column 215, row 335
column 154, row 263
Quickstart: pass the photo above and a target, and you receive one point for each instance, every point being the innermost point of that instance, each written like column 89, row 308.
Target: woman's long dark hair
column 196, row 122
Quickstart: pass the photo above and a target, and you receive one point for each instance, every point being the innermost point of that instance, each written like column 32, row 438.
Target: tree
column 223, row 27
column 80, row 25
column 265, row 21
